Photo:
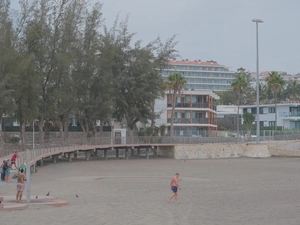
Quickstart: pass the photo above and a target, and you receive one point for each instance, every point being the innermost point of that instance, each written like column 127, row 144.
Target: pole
column 257, row 88
column 33, row 135
column 28, row 175
column 257, row 82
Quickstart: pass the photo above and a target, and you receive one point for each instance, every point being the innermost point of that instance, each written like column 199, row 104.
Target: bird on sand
column 36, row 196
column 48, row 194
column 76, row 196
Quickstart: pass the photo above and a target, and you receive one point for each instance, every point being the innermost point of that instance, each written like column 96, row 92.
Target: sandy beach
column 118, row 191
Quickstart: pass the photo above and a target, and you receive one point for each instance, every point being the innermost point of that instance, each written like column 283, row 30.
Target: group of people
column 7, row 166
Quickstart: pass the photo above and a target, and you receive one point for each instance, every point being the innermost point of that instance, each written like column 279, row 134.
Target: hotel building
column 200, row 75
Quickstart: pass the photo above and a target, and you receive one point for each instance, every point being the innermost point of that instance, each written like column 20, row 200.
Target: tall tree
column 292, row 90
column 7, row 64
column 275, row 83
column 248, row 121
column 176, row 84
column 239, row 85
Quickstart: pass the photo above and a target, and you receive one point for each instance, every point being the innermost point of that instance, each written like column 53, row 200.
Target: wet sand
column 118, row 191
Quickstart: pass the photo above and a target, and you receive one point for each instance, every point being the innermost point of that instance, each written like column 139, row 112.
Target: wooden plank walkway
column 40, row 153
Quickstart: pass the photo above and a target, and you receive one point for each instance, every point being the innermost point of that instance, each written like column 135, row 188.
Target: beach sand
column 135, row 191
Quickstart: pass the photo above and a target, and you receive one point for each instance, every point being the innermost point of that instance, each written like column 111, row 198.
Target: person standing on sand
column 20, row 185
column 7, row 175
column 174, row 187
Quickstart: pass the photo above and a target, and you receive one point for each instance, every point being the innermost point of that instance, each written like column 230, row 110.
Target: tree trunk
column 172, row 114
column 61, row 130
column 41, row 133
column 153, row 114
column 66, row 130
column 1, row 134
column 238, row 118
column 47, row 126
column 22, row 135
column 276, row 112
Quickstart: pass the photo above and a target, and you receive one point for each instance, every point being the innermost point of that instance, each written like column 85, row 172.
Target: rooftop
column 195, row 62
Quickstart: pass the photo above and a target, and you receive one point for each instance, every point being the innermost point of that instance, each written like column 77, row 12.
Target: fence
column 224, row 137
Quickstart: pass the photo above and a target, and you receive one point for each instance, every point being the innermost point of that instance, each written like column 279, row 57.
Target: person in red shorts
column 13, row 160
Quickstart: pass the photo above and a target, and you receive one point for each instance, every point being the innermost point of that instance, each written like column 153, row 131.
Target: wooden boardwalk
column 39, row 154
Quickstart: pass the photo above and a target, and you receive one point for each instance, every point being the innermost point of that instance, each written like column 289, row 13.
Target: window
column 271, row 123
column 231, row 118
column 244, row 110
column 261, row 110
column 261, row 123
column 253, row 110
column 271, row 110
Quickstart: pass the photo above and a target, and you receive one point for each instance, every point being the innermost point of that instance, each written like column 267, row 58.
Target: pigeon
column 76, row 196
column 48, row 194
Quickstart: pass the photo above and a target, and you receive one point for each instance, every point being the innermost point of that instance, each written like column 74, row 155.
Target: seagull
column 48, row 194
column 76, row 196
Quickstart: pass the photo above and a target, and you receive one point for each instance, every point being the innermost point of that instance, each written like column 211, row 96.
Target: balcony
column 289, row 114
column 192, row 105
column 189, row 121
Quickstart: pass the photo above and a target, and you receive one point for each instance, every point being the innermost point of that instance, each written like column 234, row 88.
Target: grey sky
column 220, row 30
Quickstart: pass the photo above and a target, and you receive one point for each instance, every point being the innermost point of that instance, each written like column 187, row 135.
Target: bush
column 15, row 139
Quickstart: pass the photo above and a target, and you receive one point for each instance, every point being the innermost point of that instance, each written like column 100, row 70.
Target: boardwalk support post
column 139, row 151
column 75, row 155
column 117, row 153
column 105, row 154
column 147, row 152
column 69, row 157
column 54, row 159
column 132, row 151
column 87, row 155
column 126, row 153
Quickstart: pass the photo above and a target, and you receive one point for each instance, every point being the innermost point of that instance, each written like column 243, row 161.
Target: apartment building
column 288, row 115
column 195, row 113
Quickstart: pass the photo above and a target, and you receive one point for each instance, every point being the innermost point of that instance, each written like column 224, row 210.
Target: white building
column 288, row 115
column 201, row 75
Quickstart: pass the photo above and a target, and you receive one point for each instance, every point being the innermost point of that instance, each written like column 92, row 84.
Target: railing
column 289, row 114
column 59, row 146
column 193, row 105
column 189, row 120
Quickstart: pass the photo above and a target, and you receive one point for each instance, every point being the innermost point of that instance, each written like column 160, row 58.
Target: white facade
column 201, row 75
column 288, row 115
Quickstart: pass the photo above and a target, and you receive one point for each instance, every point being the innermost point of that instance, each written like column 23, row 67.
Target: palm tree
column 275, row 83
column 292, row 90
column 239, row 85
column 175, row 83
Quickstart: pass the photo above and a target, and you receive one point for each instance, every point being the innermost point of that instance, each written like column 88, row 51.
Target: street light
column 257, row 82
column 28, row 159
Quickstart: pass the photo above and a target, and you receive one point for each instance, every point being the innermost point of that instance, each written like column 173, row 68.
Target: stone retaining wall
column 212, row 151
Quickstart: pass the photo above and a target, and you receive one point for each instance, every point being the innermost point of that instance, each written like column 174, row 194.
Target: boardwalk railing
column 58, row 146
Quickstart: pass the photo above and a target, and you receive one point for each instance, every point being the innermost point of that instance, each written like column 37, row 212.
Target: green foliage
column 70, row 64
column 175, row 83
column 275, row 84
column 248, row 120
column 14, row 139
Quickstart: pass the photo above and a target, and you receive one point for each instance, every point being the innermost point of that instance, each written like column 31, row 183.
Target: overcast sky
column 220, row 30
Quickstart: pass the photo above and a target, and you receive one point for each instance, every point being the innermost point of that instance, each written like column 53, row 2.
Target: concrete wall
column 209, row 151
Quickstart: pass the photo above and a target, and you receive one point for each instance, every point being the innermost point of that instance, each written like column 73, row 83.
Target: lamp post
column 257, row 82
column 28, row 167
